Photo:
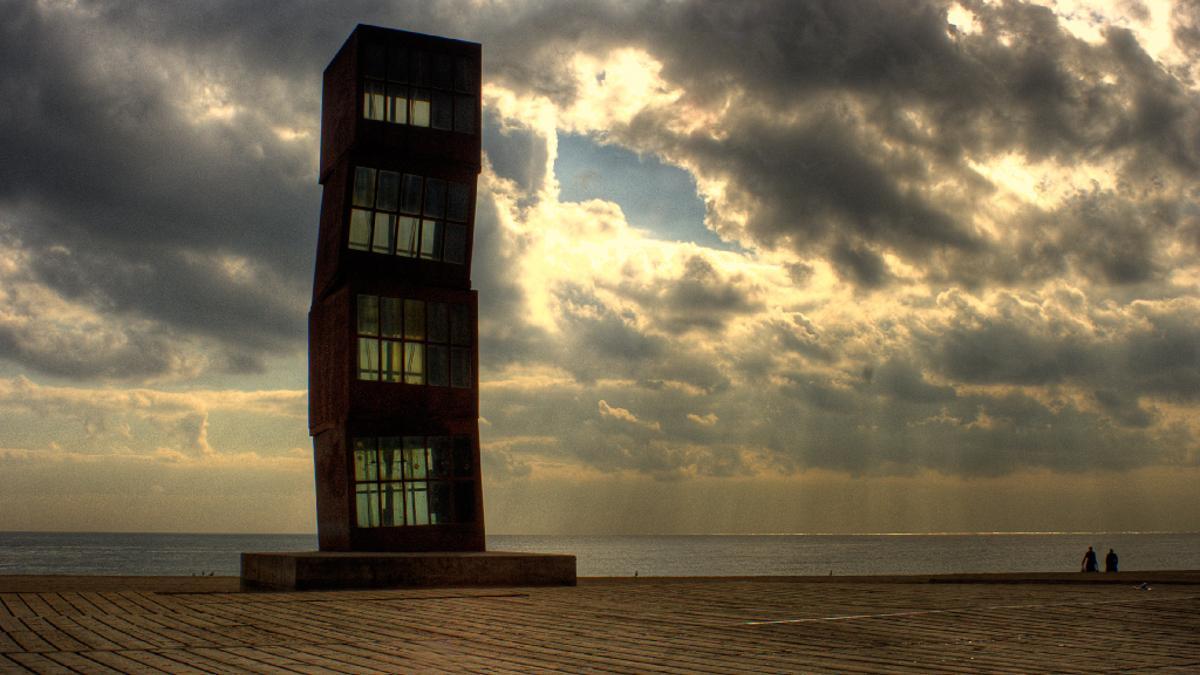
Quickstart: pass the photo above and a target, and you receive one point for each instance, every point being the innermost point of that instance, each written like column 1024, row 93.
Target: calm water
column 700, row 555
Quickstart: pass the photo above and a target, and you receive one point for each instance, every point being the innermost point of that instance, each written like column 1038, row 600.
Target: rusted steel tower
column 393, row 356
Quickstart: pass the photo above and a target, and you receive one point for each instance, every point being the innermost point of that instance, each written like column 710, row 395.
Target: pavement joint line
column 957, row 610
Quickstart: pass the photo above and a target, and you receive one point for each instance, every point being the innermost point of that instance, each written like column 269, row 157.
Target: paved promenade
column 1003, row 623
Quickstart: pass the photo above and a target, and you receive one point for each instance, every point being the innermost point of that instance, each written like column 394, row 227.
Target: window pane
column 414, row 457
column 373, row 101
column 443, row 71
column 463, row 457
column 397, row 64
column 392, row 511
column 367, row 504
column 414, row 464
column 443, row 111
column 407, row 230
column 368, row 359
column 391, row 458
column 441, row 464
column 364, row 187
column 382, row 241
column 464, row 75
column 414, row 319
column 459, row 203
column 366, row 465
column 460, row 325
column 397, row 104
column 437, row 321
column 393, row 351
column 460, row 367
column 439, row 502
column 411, row 200
column 360, row 229
column 464, row 501
column 431, row 239
column 437, row 366
column 368, row 314
column 389, row 191
column 376, row 60
column 435, row 197
column 418, row 115
column 419, row 67
column 464, row 114
column 455, row 244
column 389, row 317
column 418, row 503
column 414, row 363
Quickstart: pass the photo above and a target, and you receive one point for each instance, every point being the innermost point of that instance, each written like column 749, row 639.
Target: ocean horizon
column 198, row 554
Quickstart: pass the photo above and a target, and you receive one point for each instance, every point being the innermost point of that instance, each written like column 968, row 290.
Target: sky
column 769, row 266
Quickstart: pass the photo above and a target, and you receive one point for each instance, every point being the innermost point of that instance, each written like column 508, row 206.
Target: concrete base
column 307, row 570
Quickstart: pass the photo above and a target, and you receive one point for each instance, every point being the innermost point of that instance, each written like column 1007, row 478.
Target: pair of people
column 1090, row 564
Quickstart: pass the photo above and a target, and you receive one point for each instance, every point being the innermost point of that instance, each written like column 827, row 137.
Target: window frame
column 415, row 480
column 386, row 355
column 421, row 215
column 438, row 91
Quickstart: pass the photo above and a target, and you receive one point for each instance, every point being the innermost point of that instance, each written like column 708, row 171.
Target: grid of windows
column 409, row 215
column 413, row 480
column 413, row 341
column 419, row 89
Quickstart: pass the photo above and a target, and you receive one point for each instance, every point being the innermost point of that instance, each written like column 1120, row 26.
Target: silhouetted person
column 1089, row 561
column 1110, row 561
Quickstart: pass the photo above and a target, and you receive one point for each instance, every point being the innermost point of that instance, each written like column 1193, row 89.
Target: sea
column 97, row 553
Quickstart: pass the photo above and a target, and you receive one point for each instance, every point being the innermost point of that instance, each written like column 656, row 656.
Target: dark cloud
column 517, row 154
column 505, row 334
column 802, row 336
column 819, row 394
column 899, row 415
column 84, row 353
column 799, row 273
column 123, row 204
column 1162, row 356
column 700, row 298
column 805, row 184
column 1135, row 9
column 902, row 381
column 1154, row 352
column 882, row 102
column 604, row 331
column 639, row 430
column 1123, row 408
column 600, row 342
column 1185, row 26
column 974, row 435
column 847, row 142
column 1000, row 352
column 501, row 464
column 860, row 265
column 1114, row 239
column 703, row 298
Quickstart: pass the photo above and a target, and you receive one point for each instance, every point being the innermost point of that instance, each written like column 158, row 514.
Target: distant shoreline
column 724, row 556
column 987, row 533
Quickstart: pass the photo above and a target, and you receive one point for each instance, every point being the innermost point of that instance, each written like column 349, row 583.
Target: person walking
column 1089, row 561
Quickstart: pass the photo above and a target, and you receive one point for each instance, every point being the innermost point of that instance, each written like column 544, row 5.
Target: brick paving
column 1003, row 623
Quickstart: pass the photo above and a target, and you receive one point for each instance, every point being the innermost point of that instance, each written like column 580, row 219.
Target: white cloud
column 74, row 423
column 624, row 415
